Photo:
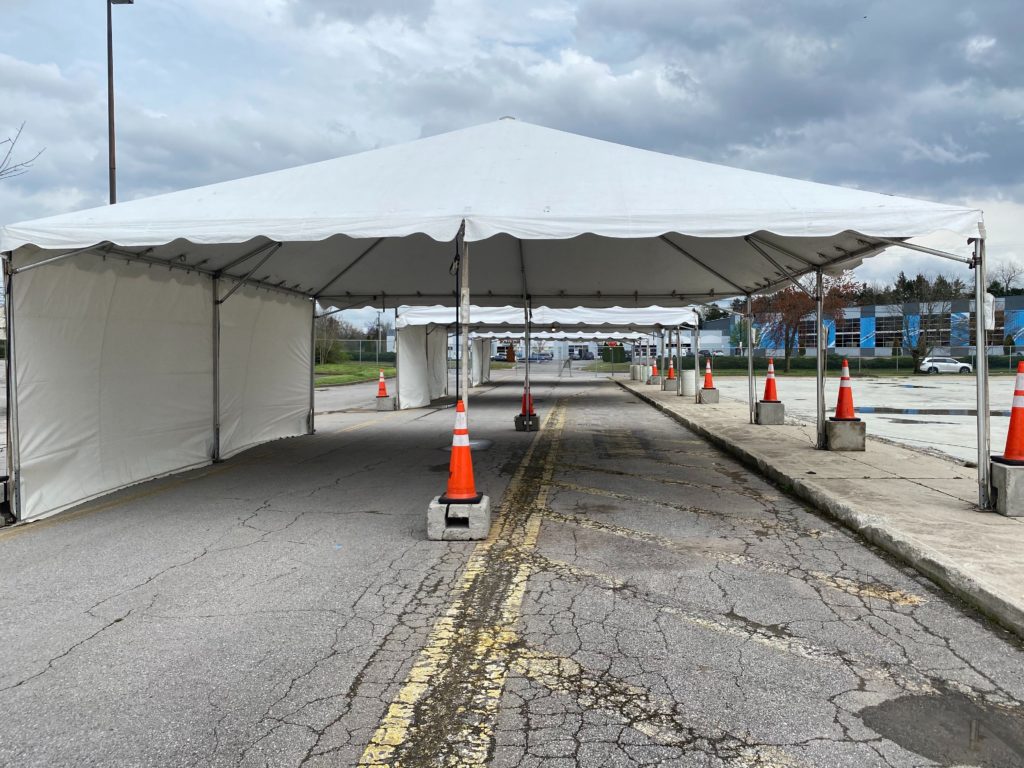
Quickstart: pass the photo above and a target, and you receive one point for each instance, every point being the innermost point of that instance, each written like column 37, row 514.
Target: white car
column 945, row 365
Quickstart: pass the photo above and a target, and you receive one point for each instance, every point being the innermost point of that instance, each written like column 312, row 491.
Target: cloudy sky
column 915, row 97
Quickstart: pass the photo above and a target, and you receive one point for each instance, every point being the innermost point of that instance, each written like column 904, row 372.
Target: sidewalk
column 917, row 507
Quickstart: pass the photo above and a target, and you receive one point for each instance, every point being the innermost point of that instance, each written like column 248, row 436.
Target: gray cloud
column 922, row 97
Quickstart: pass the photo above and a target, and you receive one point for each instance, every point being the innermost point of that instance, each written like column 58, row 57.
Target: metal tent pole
column 819, row 378
column 750, row 357
column 981, row 372
column 679, row 356
column 13, row 442
column 464, row 316
column 311, row 419
column 696, row 362
column 215, row 453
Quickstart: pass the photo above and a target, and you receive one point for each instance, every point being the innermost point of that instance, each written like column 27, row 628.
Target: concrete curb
column 944, row 571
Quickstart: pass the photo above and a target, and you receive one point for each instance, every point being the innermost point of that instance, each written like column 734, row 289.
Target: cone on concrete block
column 844, row 405
column 382, row 389
column 1014, row 451
column 527, row 409
column 709, row 383
column 461, row 485
column 671, row 369
column 771, row 394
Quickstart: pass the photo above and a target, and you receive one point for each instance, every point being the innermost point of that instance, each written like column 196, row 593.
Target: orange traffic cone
column 527, row 409
column 844, row 406
column 709, row 383
column 771, row 395
column 671, row 369
column 1014, row 452
column 461, row 486
column 654, row 368
column 382, row 390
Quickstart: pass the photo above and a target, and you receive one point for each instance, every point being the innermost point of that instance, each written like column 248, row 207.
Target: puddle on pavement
column 917, row 421
column 927, row 411
column 951, row 730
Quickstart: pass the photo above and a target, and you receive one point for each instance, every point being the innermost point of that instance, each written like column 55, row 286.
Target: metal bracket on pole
column 916, row 247
column 242, row 281
column 63, row 256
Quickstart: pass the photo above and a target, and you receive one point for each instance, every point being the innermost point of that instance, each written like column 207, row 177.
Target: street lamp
column 110, row 96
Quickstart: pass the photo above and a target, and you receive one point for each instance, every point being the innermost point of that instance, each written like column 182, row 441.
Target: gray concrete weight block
column 1008, row 488
column 458, row 522
column 386, row 403
column 654, row 379
column 709, row 396
column 669, row 385
column 769, row 413
column 527, row 423
column 846, row 435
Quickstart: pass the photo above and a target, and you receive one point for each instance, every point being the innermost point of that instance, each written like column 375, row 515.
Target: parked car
column 944, row 365
column 709, row 353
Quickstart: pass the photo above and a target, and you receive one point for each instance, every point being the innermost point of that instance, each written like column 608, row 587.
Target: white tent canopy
column 421, row 338
column 566, row 219
column 553, row 218
column 643, row 319
column 562, row 335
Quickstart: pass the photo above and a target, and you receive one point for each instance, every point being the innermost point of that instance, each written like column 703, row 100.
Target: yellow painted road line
column 456, row 651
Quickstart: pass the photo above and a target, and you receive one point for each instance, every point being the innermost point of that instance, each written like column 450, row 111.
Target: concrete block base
column 654, row 379
column 527, row 423
column 846, row 435
column 709, row 396
column 1008, row 488
column 458, row 522
column 769, row 413
column 386, row 403
column 669, row 385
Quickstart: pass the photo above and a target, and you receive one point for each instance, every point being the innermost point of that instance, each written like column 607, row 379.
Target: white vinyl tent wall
column 114, row 375
column 422, row 364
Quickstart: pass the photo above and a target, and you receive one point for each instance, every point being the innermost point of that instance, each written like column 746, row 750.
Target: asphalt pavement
column 643, row 600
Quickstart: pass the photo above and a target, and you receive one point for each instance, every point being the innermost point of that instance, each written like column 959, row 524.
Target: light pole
column 110, row 96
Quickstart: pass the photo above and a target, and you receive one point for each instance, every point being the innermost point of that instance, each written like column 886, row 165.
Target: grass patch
column 600, row 366
column 335, row 374
column 501, row 365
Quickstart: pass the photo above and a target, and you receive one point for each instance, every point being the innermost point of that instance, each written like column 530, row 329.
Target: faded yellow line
column 490, row 652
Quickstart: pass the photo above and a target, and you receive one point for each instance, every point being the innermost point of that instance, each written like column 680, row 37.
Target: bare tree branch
column 9, row 168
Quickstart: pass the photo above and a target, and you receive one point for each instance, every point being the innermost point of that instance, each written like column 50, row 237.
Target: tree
column 9, row 166
column 924, row 306
column 779, row 314
column 330, row 332
column 714, row 312
column 1004, row 275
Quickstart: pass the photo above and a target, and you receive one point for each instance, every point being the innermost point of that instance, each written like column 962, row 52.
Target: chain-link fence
column 355, row 350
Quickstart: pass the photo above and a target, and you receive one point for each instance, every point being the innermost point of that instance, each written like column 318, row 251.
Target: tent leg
column 679, row 357
column 750, row 358
column 311, row 419
column 464, row 318
column 215, row 454
column 819, row 378
column 13, row 443
column 696, row 363
column 981, row 375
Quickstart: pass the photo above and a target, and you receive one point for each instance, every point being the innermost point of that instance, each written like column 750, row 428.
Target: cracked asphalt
column 642, row 600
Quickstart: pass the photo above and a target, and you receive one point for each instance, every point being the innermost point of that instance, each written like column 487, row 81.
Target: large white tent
column 558, row 218
column 421, row 335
